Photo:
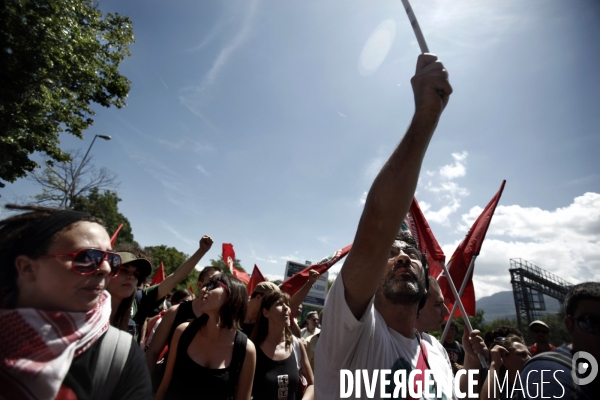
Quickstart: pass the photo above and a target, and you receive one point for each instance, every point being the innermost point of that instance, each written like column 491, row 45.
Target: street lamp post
column 72, row 186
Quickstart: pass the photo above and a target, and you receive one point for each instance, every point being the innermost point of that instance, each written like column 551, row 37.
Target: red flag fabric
column 256, row 278
column 426, row 242
column 191, row 289
column 464, row 253
column 295, row 283
column 228, row 256
column 159, row 276
column 113, row 239
column 241, row 275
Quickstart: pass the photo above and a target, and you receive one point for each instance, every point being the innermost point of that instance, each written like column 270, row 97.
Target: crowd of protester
column 79, row 321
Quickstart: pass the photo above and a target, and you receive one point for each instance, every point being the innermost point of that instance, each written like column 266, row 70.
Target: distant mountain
column 502, row 305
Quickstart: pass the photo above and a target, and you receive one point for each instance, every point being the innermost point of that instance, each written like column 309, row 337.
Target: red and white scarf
column 37, row 347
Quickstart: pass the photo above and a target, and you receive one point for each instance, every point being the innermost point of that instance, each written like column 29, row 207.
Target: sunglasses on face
column 589, row 323
column 214, row 284
column 536, row 330
column 88, row 261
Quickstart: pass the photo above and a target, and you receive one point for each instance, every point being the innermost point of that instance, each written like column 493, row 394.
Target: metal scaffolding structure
column 530, row 283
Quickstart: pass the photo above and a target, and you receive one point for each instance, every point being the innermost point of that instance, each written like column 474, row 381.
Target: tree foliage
column 219, row 263
column 56, row 58
column 105, row 206
column 172, row 259
column 58, row 181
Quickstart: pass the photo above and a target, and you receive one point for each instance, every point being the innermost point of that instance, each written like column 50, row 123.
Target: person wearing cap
column 262, row 289
column 541, row 333
column 135, row 268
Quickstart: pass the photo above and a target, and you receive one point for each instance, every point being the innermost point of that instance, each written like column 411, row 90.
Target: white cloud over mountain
column 565, row 242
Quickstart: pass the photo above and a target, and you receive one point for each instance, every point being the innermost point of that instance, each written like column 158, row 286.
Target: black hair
column 233, row 312
column 582, row 291
column 180, row 295
column 502, row 331
column 206, row 270
column 12, row 232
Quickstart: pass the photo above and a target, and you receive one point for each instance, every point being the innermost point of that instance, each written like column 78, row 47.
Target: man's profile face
column 431, row 317
column 403, row 282
column 583, row 340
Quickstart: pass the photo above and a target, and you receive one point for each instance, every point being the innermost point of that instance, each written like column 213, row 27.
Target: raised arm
column 301, row 294
column 393, row 189
column 184, row 269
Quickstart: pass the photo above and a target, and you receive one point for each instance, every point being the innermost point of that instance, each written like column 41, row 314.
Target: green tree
column 105, row 206
column 219, row 263
column 56, row 58
column 172, row 259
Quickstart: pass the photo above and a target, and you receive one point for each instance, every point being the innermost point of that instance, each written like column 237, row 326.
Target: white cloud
column 273, row 277
column 449, row 193
column 202, row 170
column 565, row 242
column 196, row 97
column 363, row 198
column 341, row 114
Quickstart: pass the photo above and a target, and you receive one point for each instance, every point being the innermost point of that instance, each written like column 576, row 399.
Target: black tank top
column 275, row 380
column 191, row 380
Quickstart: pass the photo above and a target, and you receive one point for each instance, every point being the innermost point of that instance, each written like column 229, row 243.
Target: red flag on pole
column 228, row 256
column 294, row 283
column 113, row 239
column 427, row 243
column 229, row 260
column 159, row 276
column 256, row 278
column 464, row 253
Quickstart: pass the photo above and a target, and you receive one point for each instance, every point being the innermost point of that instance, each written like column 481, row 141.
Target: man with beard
column 372, row 306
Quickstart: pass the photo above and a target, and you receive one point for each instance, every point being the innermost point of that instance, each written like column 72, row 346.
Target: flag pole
column 415, row 24
column 460, row 293
column 462, row 310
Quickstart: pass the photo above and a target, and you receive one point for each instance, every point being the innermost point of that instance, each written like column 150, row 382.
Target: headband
column 36, row 235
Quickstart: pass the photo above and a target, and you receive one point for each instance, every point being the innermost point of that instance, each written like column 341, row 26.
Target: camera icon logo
column 579, row 368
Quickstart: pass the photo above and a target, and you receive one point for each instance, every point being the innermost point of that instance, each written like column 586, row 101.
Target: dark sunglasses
column 213, row 284
column 589, row 323
column 88, row 261
column 536, row 330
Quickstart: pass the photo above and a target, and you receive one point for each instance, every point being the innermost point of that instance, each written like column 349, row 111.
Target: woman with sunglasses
column 508, row 357
column 210, row 358
column 281, row 359
column 54, row 311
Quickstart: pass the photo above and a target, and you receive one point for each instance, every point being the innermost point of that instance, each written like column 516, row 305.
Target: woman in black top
column 209, row 358
column 54, row 311
column 277, row 373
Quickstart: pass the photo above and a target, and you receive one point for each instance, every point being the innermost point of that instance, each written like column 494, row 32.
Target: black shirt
column 275, row 380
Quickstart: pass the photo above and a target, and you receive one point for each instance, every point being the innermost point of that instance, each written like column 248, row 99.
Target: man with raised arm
column 372, row 307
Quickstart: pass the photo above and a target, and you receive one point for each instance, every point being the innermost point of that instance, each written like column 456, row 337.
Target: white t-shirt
column 368, row 343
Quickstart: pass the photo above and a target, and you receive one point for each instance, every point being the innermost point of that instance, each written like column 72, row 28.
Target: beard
column 401, row 289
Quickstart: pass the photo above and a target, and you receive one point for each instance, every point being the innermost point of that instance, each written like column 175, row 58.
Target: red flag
column 113, row 239
column 294, row 283
column 228, row 256
column 159, row 276
column 464, row 253
column 256, row 278
column 421, row 232
column 191, row 289
column 241, row 275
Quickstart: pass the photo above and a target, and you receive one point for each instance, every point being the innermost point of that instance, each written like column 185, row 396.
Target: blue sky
column 263, row 124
